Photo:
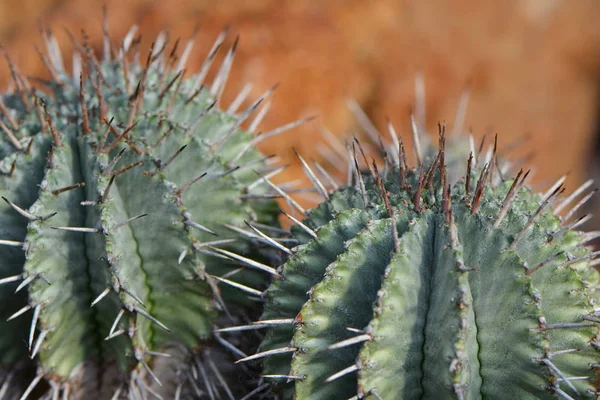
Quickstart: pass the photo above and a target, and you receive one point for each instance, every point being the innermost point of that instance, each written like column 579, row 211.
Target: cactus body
column 113, row 194
column 407, row 286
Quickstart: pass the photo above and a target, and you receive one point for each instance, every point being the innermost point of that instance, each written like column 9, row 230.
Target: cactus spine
column 409, row 285
column 115, row 183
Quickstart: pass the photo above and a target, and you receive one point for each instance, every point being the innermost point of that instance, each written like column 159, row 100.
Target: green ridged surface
column 459, row 310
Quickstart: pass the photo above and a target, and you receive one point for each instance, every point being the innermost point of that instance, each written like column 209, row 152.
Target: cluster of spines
column 99, row 101
column 345, row 212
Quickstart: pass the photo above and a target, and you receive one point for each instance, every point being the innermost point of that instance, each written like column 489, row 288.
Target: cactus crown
column 105, row 234
column 406, row 285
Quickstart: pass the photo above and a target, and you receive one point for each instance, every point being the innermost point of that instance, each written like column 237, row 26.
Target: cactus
column 409, row 285
column 115, row 182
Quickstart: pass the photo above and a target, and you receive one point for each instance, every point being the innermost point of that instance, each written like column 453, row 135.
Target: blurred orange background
column 533, row 65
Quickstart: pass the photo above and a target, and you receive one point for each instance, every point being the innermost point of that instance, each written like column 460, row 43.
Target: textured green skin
column 438, row 330
column 142, row 255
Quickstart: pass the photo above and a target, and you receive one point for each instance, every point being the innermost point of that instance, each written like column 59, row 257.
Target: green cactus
column 115, row 182
column 407, row 285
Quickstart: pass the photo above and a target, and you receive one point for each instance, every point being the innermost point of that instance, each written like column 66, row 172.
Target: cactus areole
column 408, row 286
column 115, row 182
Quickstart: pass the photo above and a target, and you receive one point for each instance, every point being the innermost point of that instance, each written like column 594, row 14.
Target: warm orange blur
column 533, row 65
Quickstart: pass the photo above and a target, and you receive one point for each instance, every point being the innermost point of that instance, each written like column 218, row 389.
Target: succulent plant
column 115, row 182
column 409, row 285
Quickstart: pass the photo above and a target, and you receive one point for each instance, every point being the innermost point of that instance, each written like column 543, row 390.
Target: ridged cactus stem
column 411, row 283
column 123, row 187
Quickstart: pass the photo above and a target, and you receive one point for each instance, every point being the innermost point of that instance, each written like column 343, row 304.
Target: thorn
column 32, row 386
column 267, row 354
column 26, row 282
column 6, row 112
column 468, row 175
column 220, row 80
column 572, row 226
column 170, row 84
column 151, row 318
column 196, row 225
column 147, row 368
column 257, row 325
column 190, row 183
column 416, row 140
column 181, row 256
column 510, row 196
column 302, row 226
column 544, row 204
column 256, row 391
column 282, row 193
column 270, row 240
column 239, row 99
column 17, row 79
column 55, row 134
column 84, row 111
column 461, row 111
column 259, row 117
column 573, row 195
column 165, row 165
column 127, row 168
column 229, row 346
column 478, row 195
column 359, row 178
column 66, row 189
column 209, row 59
column 363, row 120
column 75, row 229
column 553, row 367
column 220, row 379
column 558, row 183
column 579, row 204
column 102, row 295
column 388, row 207
column 345, row 371
column 115, row 323
column 238, row 286
column 247, row 261
column 38, row 343
column 313, row 178
column 288, row 377
column 349, row 342
column 34, row 320
column 26, row 214
column 114, row 228
column 119, row 138
column 19, row 313
column 133, row 296
column 11, row 136
column 10, row 279
column 105, row 135
column 107, row 189
column 530, row 271
column 417, row 198
column 280, row 130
